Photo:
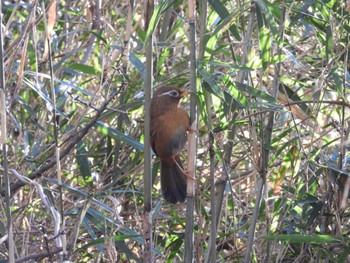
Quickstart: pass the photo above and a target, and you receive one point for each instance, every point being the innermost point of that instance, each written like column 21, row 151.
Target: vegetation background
column 273, row 128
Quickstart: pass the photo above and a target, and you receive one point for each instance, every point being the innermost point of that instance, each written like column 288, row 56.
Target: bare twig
column 39, row 256
column 71, row 143
column 3, row 142
column 46, row 201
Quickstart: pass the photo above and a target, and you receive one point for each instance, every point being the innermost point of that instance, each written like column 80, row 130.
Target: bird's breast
column 169, row 132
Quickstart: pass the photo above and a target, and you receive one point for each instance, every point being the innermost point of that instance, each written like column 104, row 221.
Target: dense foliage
column 273, row 105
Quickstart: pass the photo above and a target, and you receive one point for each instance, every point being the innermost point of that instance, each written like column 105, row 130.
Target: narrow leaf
column 318, row 239
column 83, row 162
column 160, row 8
column 214, row 87
column 270, row 21
column 83, row 68
column 117, row 135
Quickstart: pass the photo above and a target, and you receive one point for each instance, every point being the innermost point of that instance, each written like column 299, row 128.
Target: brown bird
column 169, row 127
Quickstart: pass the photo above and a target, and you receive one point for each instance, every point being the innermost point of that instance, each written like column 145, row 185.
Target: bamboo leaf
column 83, row 68
column 316, row 239
column 83, row 163
column 270, row 21
column 221, row 10
column 214, row 87
column 264, row 41
column 159, row 9
column 255, row 92
column 117, row 135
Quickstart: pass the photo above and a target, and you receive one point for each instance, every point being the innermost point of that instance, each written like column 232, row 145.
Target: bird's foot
column 187, row 174
column 190, row 130
column 178, row 165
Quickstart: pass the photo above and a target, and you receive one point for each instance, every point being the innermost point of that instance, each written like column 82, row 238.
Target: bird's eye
column 174, row 93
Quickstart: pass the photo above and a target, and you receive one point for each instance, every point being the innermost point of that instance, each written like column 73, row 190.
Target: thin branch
column 3, row 142
column 332, row 102
column 71, row 143
column 39, row 256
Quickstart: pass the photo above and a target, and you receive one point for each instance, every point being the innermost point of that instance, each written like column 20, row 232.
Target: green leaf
column 282, row 147
column 134, row 60
column 159, row 9
column 138, row 64
column 90, row 230
column 264, row 40
column 265, row 46
column 329, row 43
column 83, row 68
column 269, row 20
column 338, row 82
column 323, row 10
column 83, row 162
column 117, row 135
column 256, row 93
column 41, row 92
column 102, row 241
column 317, row 239
column 302, row 12
column 293, row 96
column 214, row 87
column 237, row 94
column 221, row 10
column 124, row 248
column 344, row 256
column 228, row 22
column 64, row 85
column 99, row 36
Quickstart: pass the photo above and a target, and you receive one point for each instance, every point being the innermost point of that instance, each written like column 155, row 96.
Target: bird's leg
column 184, row 171
column 190, row 130
column 187, row 174
column 178, row 165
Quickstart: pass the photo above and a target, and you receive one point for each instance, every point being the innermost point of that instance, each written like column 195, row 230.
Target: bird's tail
column 173, row 182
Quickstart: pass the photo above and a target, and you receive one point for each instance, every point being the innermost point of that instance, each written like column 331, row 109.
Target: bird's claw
column 187, row 174
column 190, row 130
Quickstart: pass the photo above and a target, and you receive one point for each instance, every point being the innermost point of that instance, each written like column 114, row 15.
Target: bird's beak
column 184, row 93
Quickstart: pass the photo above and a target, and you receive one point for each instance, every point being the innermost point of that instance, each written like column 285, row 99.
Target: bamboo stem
column 147, row 223
column 3, row 139
column 192, row 142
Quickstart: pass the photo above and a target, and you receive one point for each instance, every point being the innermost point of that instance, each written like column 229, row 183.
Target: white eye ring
column 171, row 93
column 174, row 93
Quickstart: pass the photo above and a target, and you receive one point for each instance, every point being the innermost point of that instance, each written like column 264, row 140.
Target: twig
column 46, row 201
column 73, row 141
column 39, row 256
column 4, row 148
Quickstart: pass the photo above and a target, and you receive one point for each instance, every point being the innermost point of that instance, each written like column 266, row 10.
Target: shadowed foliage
column 273, row 130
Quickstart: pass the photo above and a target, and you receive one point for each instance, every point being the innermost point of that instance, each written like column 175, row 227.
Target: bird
column 169, row 127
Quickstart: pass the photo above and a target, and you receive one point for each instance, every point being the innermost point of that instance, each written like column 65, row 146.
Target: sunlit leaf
column 214, row 87
column 83, row 68
column 317, row 239
column 117, row 135
column 158, row 10
column 270, row 21
column 83, row 163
